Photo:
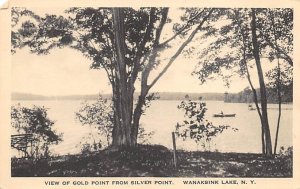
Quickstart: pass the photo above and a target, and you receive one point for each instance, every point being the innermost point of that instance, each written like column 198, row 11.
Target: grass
column 155, row 161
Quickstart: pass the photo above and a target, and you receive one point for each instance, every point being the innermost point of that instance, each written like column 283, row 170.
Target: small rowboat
column 250, row 107
column 224, row 115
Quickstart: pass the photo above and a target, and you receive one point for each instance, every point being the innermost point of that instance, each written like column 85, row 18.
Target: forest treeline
column 160, row 95
column 246, row 96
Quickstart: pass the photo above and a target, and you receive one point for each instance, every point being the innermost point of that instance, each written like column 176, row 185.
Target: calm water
column 162, row 117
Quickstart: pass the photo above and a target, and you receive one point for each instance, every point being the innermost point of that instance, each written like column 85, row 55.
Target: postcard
column 152, row 94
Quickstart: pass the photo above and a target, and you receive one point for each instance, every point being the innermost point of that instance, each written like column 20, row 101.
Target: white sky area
column 66, row 72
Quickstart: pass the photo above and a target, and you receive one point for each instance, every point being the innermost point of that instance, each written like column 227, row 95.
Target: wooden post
column 174, row 149
column 31, row 149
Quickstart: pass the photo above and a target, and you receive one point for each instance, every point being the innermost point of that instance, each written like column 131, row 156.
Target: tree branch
column 109, row 73
column 239, row 22
column 181, row 30
column 173, row 58
column 145, row 73
column 141, row 46
column 281, row 53
column 147, row 68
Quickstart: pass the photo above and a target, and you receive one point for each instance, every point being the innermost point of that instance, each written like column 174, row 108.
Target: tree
column 99, row 116
column 249, row 38
column 281, row 85
column 125, row 42
column 35, row 121
column 263, row 94
column 279, row 33
column 275, row 33
column 195, row 126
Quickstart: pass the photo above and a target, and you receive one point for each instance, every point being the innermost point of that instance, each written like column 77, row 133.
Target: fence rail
column 22, row 142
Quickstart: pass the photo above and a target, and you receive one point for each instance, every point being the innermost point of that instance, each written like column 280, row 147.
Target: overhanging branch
column 181, row 30
column 178, row 52
column 281, row 53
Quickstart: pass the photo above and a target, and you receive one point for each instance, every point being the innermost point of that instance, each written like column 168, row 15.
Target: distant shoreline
column 162, row 96
column 165, row 96
column 286, row 103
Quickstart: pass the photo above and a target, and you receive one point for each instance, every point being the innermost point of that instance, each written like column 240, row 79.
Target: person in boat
column 222, row 113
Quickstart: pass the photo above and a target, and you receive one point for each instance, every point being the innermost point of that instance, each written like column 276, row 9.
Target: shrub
column 35, row 121
column 99, row 116
column 195, row 126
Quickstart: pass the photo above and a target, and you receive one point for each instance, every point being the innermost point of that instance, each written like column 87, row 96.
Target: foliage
column 88, row 148
column 145, row 157
column 284, row 83
column 35, row 121
column 285, row 156
column 230, row 51
column 99, row 117
column 93, row 31
column 148, row 99
column 144, row 136
column 275, row 27
column 195, row 126
column 88, row 30
column 142, row 160
column 251, row 36
column 156, row 161
column 286, row 152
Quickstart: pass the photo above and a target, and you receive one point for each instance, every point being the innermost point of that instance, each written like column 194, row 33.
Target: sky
column 66, row 72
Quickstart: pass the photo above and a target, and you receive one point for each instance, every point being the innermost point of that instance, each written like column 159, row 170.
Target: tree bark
column 125, row 131
column 263, row 141
column 279, row 108
column 278, row 83
column 255, row 99
column 121, row 97
column 261, row 84
column 145, row 87
column 137, row 116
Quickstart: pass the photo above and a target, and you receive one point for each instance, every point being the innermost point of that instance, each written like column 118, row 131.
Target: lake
column 162, row 116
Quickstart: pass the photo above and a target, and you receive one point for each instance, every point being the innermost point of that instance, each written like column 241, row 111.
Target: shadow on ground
column 155, row 161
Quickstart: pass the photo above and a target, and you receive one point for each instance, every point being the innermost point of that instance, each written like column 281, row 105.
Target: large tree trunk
column 138, row 111
column 264, row 111
column 122, row 98
column 136, row 119
column 118, row 136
